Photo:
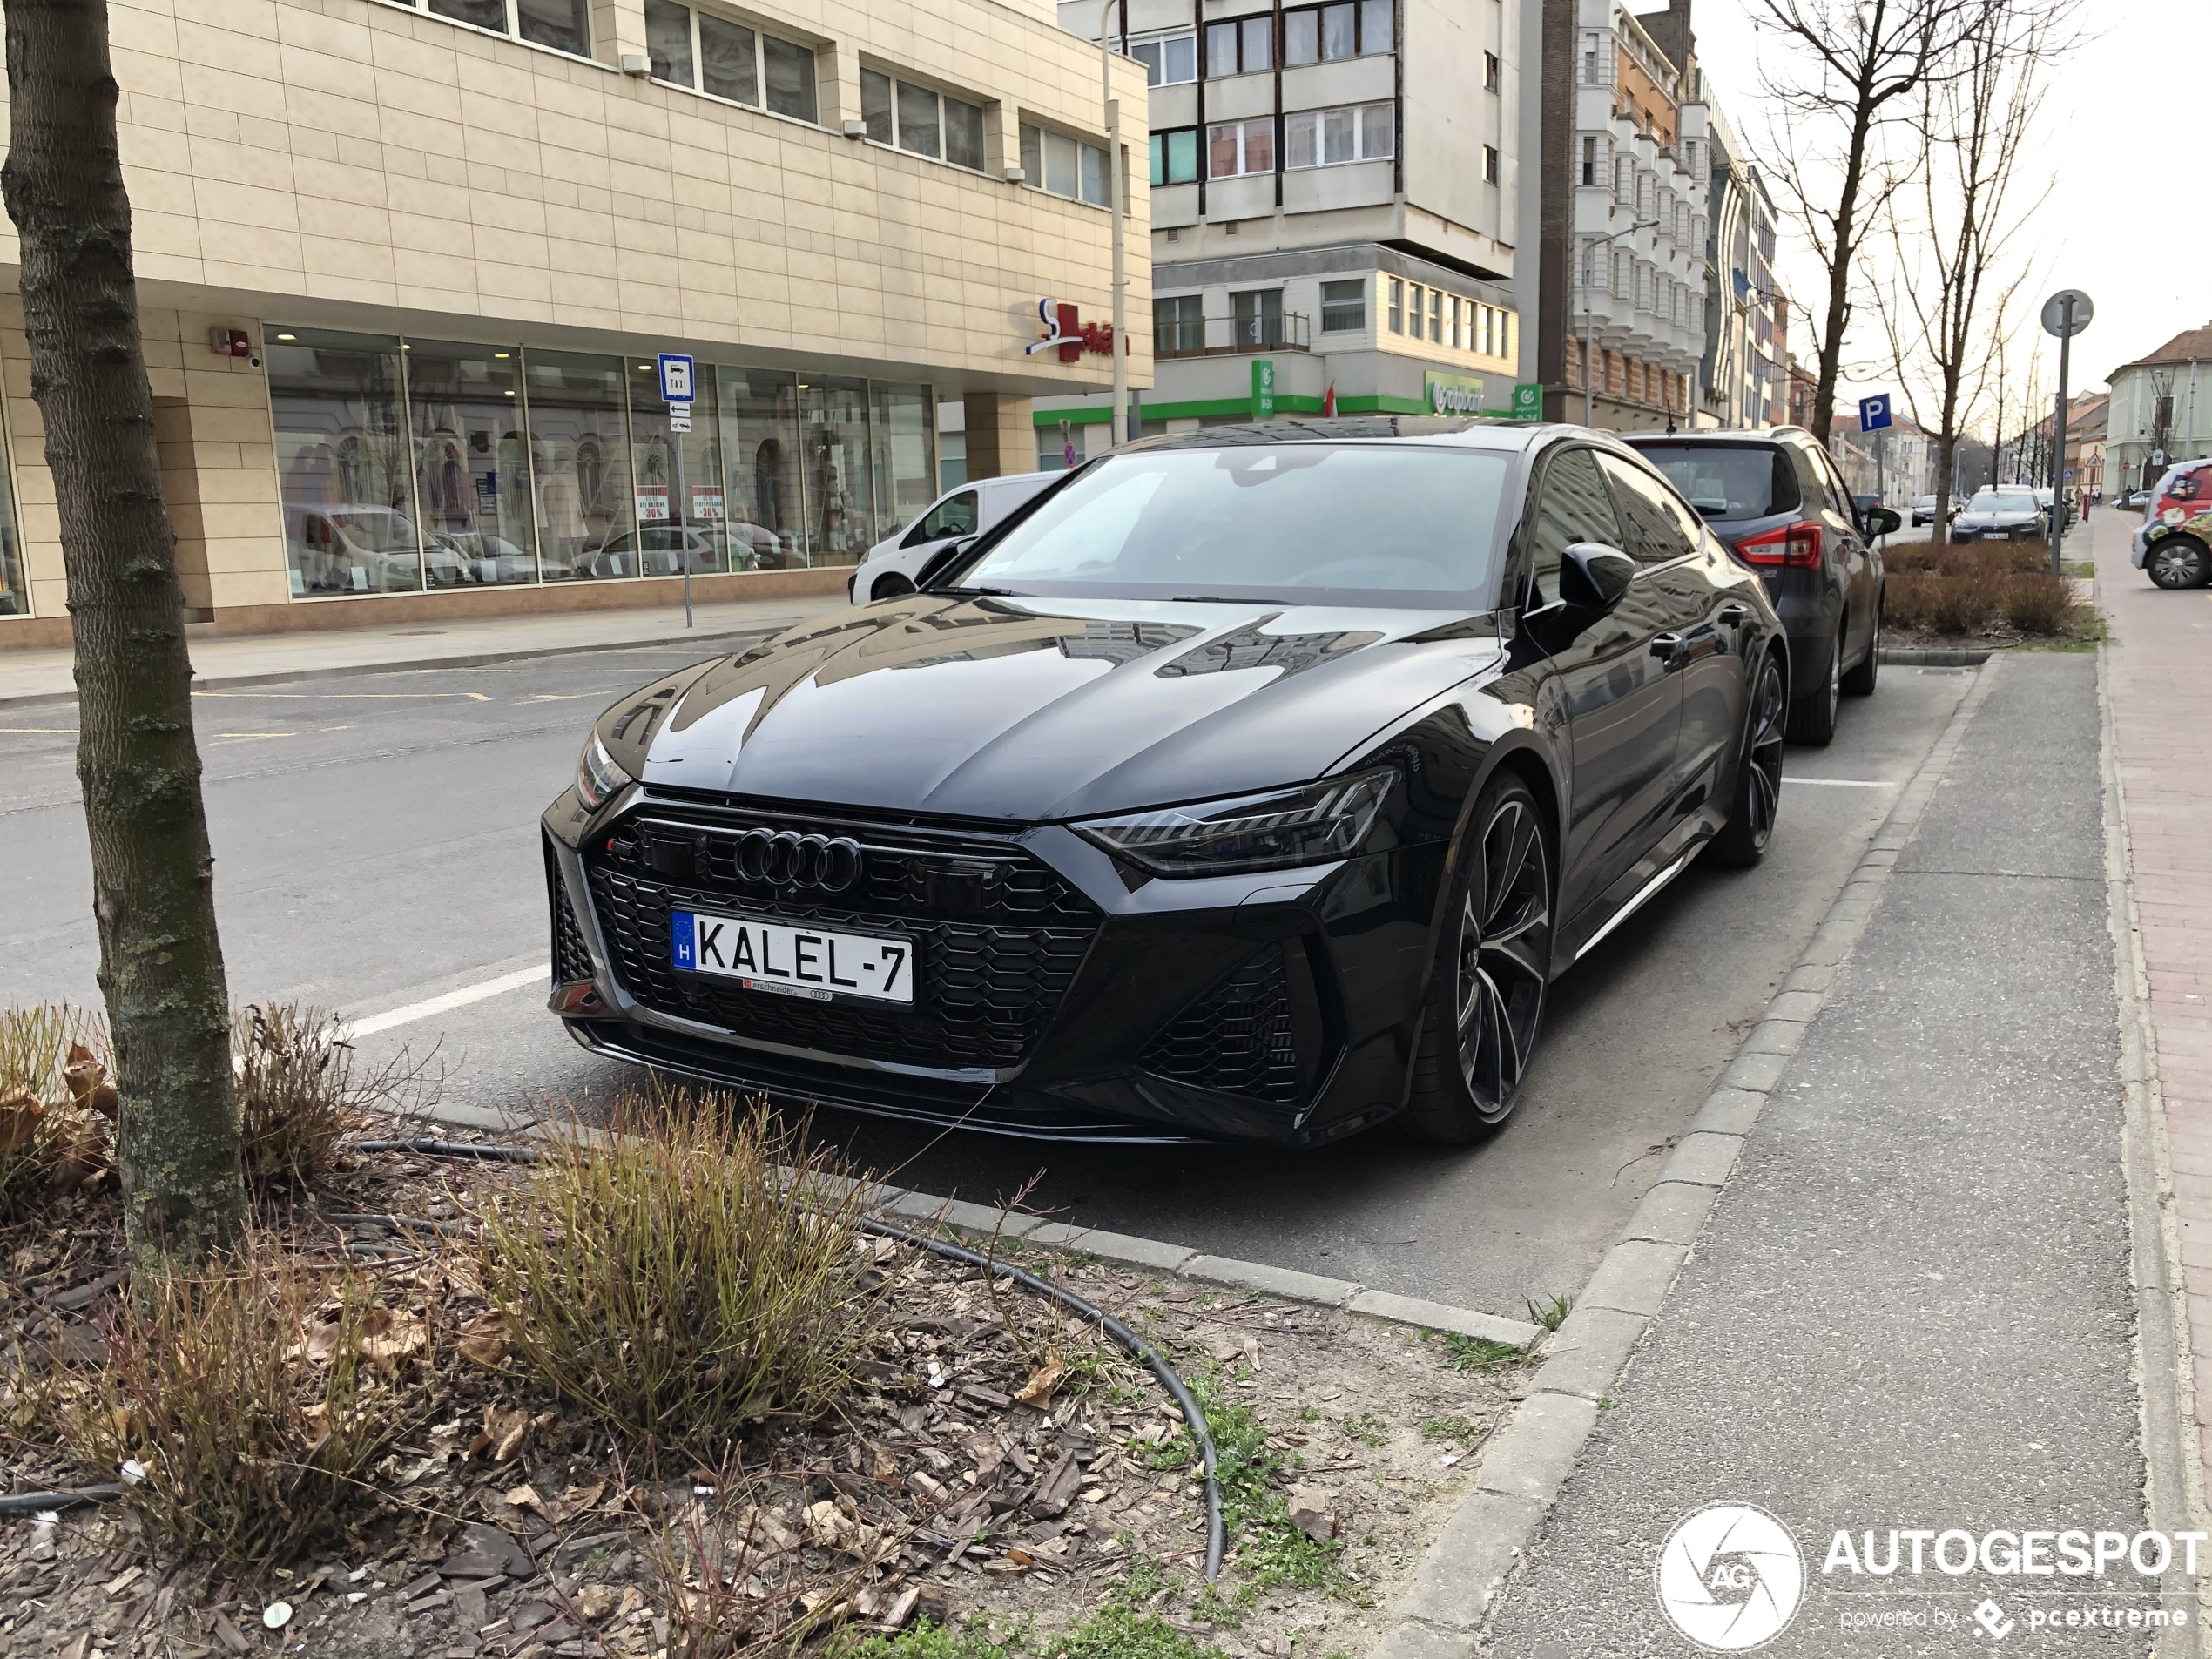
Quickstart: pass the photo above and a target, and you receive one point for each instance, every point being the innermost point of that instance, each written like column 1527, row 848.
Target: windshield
column 378, row 529
column 1317, row 523
column 1991, row 501
column 1728, row 480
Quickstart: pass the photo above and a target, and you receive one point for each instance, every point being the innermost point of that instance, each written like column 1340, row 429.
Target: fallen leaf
column 1046, row 1377
column 576, row 1499
column 507, row 1427
column 388, row 1335
column 89, row 1085
column 525, row 1497
column 20, row 1115
column 483, row 1339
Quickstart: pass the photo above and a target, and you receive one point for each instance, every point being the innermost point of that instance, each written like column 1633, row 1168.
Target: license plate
column 810, row 962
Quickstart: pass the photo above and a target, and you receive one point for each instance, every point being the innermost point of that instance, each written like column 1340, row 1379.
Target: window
column 1490, row 71
column 923, row 121
column 1489, row 163
column 1178, row 326
column 1414, row 305
column 1169, row 60
column 1174, row 156
column 1329, row 137
column 562, row 24
column 1436, row 316
column 1344, row 307
column 1063, row 167
column 1398, row 305
column 1572, row 506
column 1241, row 46
column 472, row 471
column 954, row 515
column 341, row 453
column 1660, row 528
column 1259, row 315
column 1328, row 34
column 728, row 60
column 1589, row 161
column 1590, row 60
column 1241, row 147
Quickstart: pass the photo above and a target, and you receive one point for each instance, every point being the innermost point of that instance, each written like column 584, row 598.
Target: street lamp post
column 1118, row 417
column 1589, row 328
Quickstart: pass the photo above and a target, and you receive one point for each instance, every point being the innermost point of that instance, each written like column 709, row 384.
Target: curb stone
column 1931, row 657
column 1442, row 1613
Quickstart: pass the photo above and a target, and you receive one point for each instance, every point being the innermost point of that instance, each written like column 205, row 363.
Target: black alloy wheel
column 1812, row 716
column 2178, row 562
column 1486, row 1008
column 1757, row 802
column 1863, row 673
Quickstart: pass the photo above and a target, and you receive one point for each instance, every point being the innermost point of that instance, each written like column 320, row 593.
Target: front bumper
column 1060, row 994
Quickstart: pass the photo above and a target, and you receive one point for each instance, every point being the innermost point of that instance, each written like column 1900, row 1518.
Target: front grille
column 571, row 956
column 998, row 937
column 1237, row 1038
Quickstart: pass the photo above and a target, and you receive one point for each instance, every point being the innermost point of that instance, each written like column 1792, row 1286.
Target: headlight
column 598, row 777
column 1309, row 825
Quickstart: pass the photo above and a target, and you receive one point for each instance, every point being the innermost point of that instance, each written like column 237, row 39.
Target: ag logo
column 1730, row 1577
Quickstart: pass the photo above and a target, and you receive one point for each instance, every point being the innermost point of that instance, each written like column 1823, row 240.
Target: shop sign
column 1065, row 330
column 1263, row 390
column 652, row 503
column 707, row 501
column 1453, row 393
column 1528, row 401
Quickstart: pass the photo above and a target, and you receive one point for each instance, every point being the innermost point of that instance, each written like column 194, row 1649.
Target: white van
column 892, row 564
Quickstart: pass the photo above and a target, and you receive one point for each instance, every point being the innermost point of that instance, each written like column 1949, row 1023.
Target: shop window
column 472, row 470
column 1174, row 156
column 834, row 470
column 1178, row 326
column 677, row 490
column 1240, row 46
column 1331, row 138
column 904, row 429
column 1344, row 307
column 15, row 589
column 1063, row 167
column 760, row 451
column 1241, row 147
column 341, row 455
column 698, row 50
column 580, row 465
column 1169, row 60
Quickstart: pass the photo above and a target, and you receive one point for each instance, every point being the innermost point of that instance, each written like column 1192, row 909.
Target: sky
column 2101, row 143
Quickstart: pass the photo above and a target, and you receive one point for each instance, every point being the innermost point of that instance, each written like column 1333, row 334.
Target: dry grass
column 1980, row 558
column 255, row 1396
column 2040, row 605
column 1971, row 601
column 697, row 1267
column 302, row 1090
column 55, row 1103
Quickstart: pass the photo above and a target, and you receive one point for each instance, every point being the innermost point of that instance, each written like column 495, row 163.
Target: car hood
column 1035, row 710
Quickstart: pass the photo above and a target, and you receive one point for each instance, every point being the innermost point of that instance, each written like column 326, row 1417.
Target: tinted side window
column 1572, row 505
column 1821, row 489
column 954, row 515
column 1659, row 526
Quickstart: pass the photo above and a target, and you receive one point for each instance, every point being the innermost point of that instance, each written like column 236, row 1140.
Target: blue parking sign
column 1874, row 412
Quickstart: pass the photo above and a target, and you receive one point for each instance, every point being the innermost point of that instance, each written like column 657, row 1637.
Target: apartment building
column 1334, row 199
column 1626, row 186
column 408, row 273
column 1740, row 379
column 2159, row 411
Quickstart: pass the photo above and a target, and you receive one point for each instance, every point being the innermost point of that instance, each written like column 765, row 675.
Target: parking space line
column 1843, row 783
column 460, row 999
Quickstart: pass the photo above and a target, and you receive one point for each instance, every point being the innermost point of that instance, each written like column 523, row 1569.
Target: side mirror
column 1593, row 575
column 1882, row 521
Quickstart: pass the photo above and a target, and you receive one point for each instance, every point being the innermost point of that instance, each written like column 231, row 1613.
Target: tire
column 890, row 587
column 2178, row 562
column 1812, row 716
column 1756, row 799
column 1485, row 1012
column 1860, row 682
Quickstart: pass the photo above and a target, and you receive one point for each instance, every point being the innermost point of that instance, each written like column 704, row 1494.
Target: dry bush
column 302, row 1090
column 255, row 1395
column 1967, row 558
column 57, row 1102
column 697, row 1267
column 2041, row 604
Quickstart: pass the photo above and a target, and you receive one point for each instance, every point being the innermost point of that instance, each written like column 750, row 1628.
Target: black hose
column 400, row 1224
column 1193, row 1418
column 33, row 1503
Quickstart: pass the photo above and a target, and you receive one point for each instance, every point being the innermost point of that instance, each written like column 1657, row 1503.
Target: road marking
column 249, row 736
column 460, row 999
column 345, row 697
column 1842, row 783
column 38, row 730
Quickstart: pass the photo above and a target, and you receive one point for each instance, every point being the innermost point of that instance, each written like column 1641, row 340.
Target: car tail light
column 1795, row 546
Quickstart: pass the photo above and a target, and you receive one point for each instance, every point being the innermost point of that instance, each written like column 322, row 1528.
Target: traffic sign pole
column 2066, row 313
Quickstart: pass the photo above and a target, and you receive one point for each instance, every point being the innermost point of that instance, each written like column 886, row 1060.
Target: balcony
column 1231, row 336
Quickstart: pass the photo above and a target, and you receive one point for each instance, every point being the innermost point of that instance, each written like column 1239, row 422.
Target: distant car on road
column 2007, row 514
column 1924, row 510
column 2133, row 500
column 1775, row 497
column 2174, row 544
column 893, row 565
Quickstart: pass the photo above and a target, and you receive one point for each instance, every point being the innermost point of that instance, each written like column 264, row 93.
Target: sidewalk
column 1913, row 1304
column 2159, row 666
column 33, row 677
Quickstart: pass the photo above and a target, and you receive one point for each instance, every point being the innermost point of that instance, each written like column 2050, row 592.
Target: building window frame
column 1338, row 31
column 1370, row 129
column 1492, row 167
column 1245, row 44
column 1039, row 150
column 1397, row 304
column 1174, row 157
column 1344, row 312
column 1492, row 72
column 885, row 97
column 1251, row 146
column 1162, row 63
column 761, row 48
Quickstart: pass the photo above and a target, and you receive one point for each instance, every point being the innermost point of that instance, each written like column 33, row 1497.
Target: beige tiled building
column 407, row 274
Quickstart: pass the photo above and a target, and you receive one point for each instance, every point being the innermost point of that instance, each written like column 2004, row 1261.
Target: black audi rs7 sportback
column 1252, row 784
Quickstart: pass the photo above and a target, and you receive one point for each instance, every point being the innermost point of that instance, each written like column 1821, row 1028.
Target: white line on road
column 451, row 1000
column 1843, row 783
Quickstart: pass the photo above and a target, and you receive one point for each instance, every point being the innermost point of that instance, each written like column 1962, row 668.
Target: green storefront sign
column 1452, row 394
column 1263, row 390
column 1528, row 401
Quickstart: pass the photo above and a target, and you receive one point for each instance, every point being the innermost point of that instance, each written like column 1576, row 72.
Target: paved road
column 375, row 843
column 1911, row 1307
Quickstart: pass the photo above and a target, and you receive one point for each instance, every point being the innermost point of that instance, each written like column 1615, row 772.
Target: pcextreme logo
column 1730, row 1577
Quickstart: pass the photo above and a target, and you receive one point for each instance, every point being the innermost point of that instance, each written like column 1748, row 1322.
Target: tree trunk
column 153, row 896
column 1945, row 481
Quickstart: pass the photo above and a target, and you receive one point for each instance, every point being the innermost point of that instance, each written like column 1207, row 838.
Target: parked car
column 2175, row 542
column 2007, row 514
column 1255, row 785
column 894, row 564
column 2133, row 500
column 1778, row 500
column 1924, row 510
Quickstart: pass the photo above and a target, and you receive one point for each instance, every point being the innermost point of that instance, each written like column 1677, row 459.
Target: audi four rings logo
column 786, row 858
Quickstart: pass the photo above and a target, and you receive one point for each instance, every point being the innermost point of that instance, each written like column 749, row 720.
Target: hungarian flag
column 1329, row 402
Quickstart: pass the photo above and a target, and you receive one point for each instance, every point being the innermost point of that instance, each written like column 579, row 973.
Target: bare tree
column 1947, row 254
column 161, row 967
column 1850, row 66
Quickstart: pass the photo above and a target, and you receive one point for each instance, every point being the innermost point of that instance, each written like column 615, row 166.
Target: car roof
column 1473, row 432
column 1763, row 435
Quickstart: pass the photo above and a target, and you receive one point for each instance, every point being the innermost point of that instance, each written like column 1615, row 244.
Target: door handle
column 1667, row 647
